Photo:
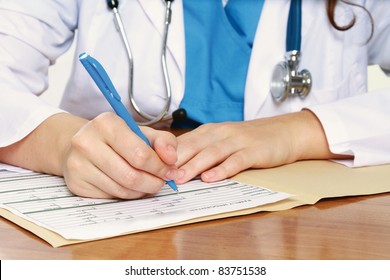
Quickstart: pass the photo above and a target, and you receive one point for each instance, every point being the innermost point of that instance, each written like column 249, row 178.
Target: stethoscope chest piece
column 288, row 81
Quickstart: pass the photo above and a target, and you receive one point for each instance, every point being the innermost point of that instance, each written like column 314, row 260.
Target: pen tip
column 173, row 186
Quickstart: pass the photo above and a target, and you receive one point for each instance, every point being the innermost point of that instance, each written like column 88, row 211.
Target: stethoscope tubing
column 164, row 114
column 294, row 26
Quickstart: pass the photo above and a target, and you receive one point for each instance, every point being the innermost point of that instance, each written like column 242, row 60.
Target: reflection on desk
column 341, row 228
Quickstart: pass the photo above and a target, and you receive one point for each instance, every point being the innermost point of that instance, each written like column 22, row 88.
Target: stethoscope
column 286, row 79
column 164, row 114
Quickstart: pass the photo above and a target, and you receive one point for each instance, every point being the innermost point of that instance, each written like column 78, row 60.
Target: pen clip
column 100, row 76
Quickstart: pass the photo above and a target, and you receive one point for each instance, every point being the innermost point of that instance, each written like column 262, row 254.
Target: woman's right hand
column 101, row 158
column 106, row 159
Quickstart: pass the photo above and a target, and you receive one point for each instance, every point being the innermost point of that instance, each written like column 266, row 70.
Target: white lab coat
column 34, row 33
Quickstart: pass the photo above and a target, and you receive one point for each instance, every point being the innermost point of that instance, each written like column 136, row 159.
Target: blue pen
column 103, row 81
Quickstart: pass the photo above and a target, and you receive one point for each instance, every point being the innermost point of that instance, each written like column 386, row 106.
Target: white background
column 275, row 270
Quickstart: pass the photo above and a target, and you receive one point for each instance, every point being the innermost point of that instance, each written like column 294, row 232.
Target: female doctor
column 220, row 57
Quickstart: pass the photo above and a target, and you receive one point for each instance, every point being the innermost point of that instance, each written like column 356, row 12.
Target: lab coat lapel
column 155, row 11
column 268, row 50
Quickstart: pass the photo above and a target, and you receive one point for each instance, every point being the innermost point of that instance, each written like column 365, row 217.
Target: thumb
column 164, row 143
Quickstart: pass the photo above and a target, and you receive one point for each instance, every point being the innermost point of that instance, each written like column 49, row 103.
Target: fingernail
column 171, row 174
column 180, row 174
column 208, row 175
column 171, row 149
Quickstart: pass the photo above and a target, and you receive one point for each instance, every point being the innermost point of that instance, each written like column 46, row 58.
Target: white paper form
column 6, row 167
column 45, row 200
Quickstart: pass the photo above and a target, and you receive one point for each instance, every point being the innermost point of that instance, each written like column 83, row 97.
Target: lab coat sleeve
column 32, row 35
column 360, row 125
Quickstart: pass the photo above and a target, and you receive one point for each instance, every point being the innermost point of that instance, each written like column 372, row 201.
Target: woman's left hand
column 221, row 150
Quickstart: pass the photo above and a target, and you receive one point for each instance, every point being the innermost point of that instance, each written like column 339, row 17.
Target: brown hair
column 330, row 9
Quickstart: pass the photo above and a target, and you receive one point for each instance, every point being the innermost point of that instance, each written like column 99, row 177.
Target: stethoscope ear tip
column 179, row 115
column 112, row 4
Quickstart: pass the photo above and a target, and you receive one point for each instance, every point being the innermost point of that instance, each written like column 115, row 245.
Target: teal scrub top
column 218, row 44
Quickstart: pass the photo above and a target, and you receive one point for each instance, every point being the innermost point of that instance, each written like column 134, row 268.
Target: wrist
column 311, row 141
column 44, row 149
column 65, row 126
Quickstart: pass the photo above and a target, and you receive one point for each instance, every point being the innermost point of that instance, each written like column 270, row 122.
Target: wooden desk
column 347, row 228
